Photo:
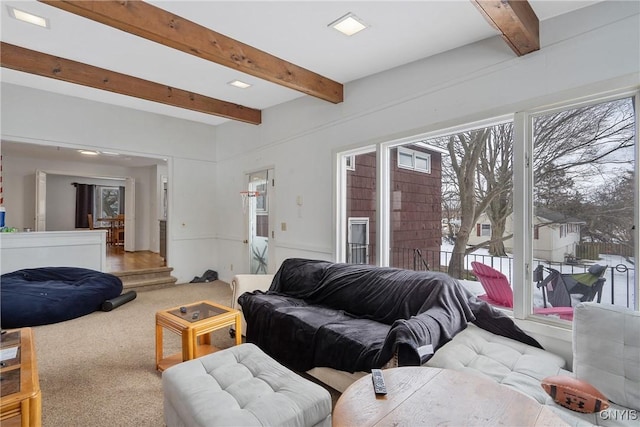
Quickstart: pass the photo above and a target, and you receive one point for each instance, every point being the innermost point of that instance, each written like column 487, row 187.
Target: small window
column 107, row 202
column 405, row 159
column 423, row 163
column 358, row 241
column 485, row 229
column 350, row 162
column 414, row 160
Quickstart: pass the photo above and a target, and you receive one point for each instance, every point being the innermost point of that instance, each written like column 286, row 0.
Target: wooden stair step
column 149, row 284
column 147, row 278
column 144, row 273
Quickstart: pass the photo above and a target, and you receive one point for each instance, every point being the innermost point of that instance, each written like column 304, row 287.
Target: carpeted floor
column 99, row 369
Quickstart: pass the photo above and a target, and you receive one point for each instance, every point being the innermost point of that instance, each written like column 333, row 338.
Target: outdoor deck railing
column 619, row 277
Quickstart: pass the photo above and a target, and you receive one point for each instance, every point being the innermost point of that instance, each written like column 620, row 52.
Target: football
column 575, row 394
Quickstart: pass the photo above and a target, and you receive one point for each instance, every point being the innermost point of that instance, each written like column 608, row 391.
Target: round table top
column 421, row 396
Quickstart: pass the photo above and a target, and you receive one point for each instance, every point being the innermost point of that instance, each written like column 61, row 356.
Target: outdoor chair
column 557, row 287
column 498, row 291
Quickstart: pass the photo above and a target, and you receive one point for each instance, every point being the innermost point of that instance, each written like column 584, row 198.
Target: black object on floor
column 116, row 302
column 208, row 276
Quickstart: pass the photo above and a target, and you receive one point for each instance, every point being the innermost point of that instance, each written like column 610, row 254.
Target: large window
column 584, row 191
column 549, row 198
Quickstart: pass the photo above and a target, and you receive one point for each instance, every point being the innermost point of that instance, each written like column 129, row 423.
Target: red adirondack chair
column 498, row 291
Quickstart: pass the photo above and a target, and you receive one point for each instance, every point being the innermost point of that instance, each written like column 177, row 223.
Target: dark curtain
column 121, row 204
column 84, row 204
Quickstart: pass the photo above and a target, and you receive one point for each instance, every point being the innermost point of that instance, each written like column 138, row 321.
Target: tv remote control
column 378, row 381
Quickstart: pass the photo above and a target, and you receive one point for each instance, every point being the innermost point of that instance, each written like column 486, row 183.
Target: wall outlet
column 231, row 267
column 283, row 226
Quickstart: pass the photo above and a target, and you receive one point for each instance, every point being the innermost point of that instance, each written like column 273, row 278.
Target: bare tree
column 450, row 212
column 569, row 147
column 581, row 144
column 609, row 213
column 465, row 150
column 495, row 179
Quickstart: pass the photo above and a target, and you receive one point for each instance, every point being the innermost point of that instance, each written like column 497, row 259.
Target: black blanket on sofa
column 356, row 317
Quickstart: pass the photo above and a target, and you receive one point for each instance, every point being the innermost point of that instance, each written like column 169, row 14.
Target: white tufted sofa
column 606, row 353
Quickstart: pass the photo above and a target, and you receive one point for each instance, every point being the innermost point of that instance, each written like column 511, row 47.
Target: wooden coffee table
column 431, row 396
column 20, row 401
column 194, row 323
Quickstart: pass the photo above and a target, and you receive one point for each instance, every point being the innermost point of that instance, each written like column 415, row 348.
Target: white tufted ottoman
column 241, row 386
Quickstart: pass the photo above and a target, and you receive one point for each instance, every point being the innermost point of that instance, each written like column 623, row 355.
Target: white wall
column 19, row 193
column 593, row 50
column 61, row 202
column 33, row 116
column 19, row 188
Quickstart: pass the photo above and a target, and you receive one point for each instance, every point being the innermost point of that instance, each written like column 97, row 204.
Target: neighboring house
column 555, row 234
column 416, row 203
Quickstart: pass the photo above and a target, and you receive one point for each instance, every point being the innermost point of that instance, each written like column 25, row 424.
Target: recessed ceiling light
column 238, row 83
column 21, row 15
column 109, row 153
column 348, row 24
column 88, row 152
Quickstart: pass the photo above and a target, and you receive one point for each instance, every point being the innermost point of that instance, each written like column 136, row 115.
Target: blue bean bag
column 40, row 296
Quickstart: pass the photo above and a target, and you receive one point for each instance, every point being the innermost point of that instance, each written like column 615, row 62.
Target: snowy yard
column 621, row 276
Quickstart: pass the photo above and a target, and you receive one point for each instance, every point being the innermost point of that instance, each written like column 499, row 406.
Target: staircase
column 146, row 279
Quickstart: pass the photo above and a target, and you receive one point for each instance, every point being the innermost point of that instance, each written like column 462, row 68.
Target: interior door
column 260, row 186
column 41, row 201
column 130, row 215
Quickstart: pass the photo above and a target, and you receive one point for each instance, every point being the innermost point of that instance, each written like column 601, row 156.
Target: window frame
column 522, row 196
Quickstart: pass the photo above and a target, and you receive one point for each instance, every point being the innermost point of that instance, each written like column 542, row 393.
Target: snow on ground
column 620, row 275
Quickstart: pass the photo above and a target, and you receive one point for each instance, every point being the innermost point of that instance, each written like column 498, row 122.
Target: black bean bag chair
column 40, row 296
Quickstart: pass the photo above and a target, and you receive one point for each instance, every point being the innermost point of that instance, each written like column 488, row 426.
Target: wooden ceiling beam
column 42, row 64
column 152, row 23
column 516, row 21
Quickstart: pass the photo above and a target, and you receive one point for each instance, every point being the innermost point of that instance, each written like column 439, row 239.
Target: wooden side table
column 432, row 396
column 194, row 324
column 20, row 398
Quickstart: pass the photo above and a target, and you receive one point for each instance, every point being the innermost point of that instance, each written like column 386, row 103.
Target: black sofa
column 356, row 317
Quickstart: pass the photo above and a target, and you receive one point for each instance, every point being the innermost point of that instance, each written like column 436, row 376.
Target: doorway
column 258, row 203
column 129, row 214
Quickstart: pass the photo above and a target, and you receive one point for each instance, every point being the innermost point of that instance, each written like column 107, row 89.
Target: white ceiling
column 400, row 32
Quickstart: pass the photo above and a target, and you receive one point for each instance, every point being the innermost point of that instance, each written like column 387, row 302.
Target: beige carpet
column 99, row 369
